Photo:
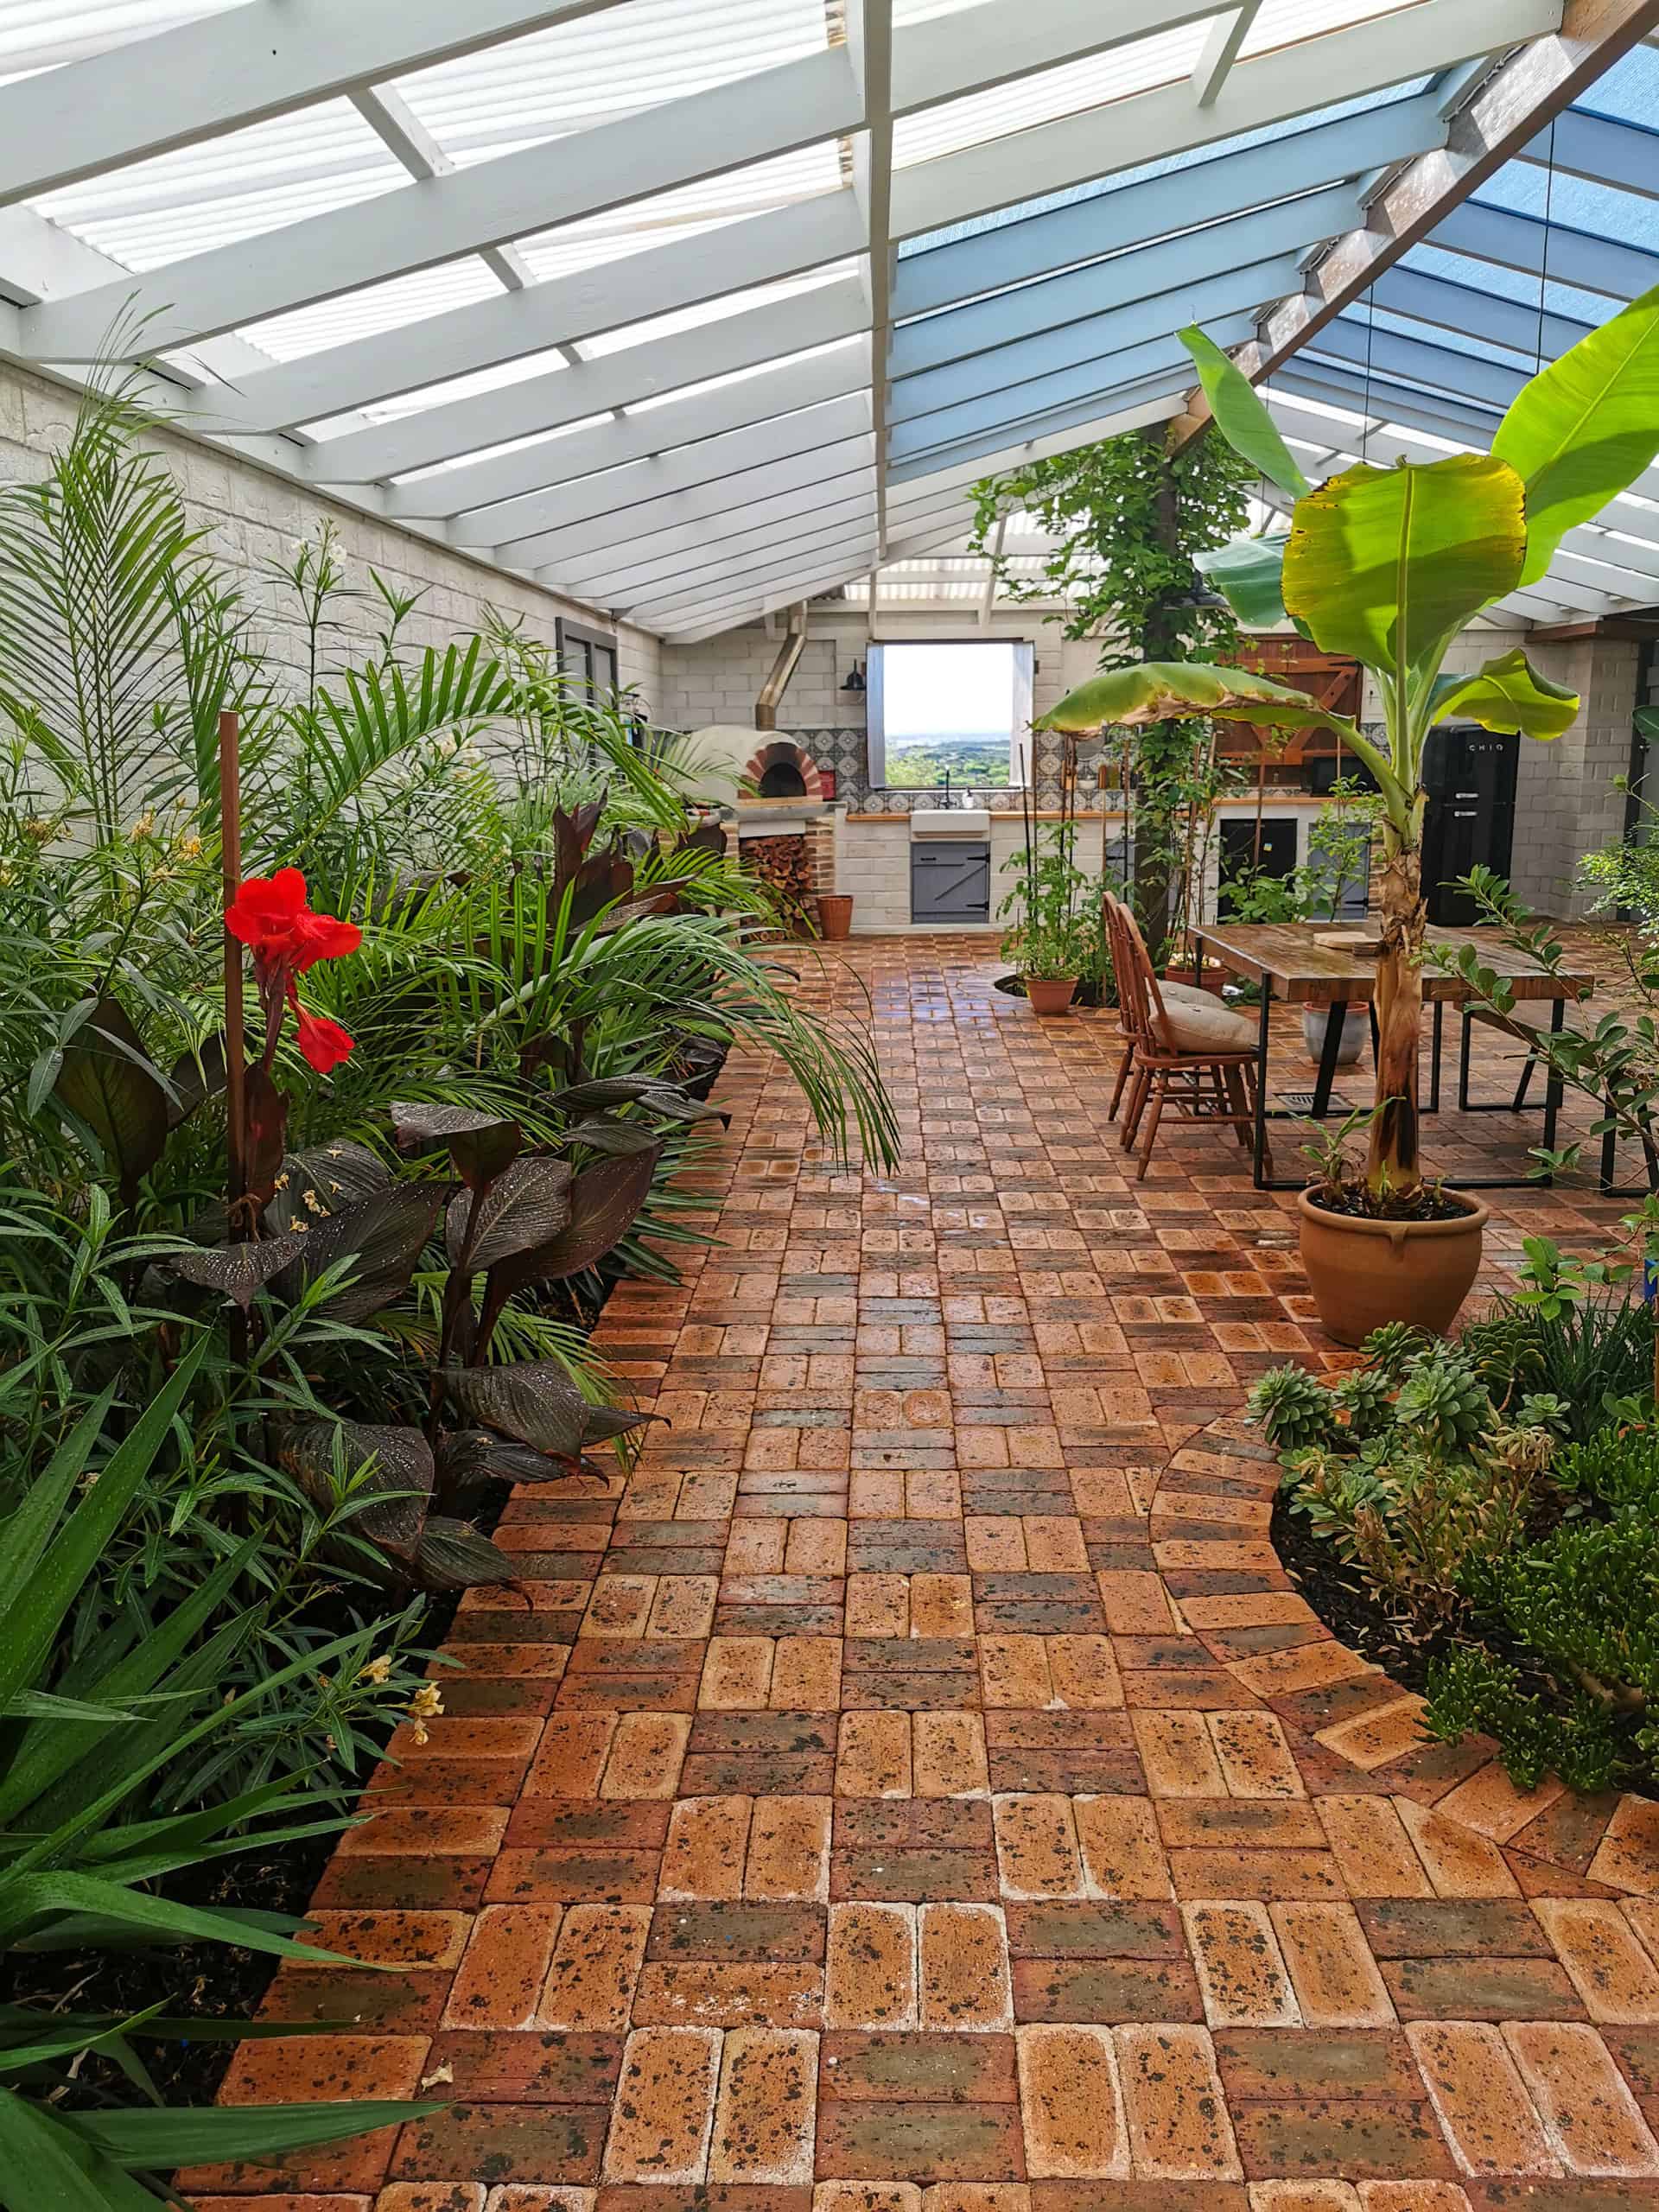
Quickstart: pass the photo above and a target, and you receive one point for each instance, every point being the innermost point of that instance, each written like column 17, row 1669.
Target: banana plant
column 1389, row 566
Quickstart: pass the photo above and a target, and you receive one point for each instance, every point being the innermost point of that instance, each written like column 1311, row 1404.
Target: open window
column 943, row 714
column 588, row 658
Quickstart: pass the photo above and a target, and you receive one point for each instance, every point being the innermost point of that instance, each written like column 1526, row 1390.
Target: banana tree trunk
column 1393, row 1165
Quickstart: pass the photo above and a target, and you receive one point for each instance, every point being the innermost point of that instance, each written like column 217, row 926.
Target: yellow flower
column 378, row 1670
column 144, row 826
column 190, row 848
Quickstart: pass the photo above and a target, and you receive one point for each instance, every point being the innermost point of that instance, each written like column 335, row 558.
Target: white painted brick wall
column 251, row 518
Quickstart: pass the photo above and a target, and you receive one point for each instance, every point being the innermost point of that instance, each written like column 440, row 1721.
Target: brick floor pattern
column 916, row 1787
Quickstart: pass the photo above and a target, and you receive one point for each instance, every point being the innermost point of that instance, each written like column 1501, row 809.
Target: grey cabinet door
column 950, row 883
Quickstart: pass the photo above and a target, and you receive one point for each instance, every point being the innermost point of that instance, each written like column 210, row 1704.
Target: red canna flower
column 270, row 914
column 323, row 1042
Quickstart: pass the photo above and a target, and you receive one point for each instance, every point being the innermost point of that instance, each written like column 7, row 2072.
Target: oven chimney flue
column 789, row 655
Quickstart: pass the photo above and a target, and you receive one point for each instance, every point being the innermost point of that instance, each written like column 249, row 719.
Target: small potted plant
column 1046, row 943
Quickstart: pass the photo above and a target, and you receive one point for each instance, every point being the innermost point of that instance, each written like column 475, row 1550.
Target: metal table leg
column 1435, row 1049
column 1259, row 1173
column 1335, row 1018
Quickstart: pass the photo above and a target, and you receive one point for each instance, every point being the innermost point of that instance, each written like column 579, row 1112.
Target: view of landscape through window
column 949, row 711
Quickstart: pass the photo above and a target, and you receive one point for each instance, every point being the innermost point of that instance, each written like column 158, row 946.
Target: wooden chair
column 1177, row 993
column 1190, row 1054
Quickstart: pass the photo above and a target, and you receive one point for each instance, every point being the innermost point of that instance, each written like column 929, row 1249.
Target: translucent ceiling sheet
column 1074, row 86
column 44, row 34
column 1282, row 22
column 685, row 213
column 610, row 64
column 707, row 311
column 235, row 187
column 391, row 306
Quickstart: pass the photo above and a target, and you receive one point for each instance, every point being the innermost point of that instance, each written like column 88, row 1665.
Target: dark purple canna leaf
column 525, row 1205
column 239, row 1270
column 109, row 1082
column 604, row 1133
column 534, row 1400
column 400, row 1475
column 322, row 1179
column 267, row 1128
column 605, row 1202
column 387, row 1232
column 193, row 1077
column 451, row 1556
column 482, row 1144
column 604, row 1422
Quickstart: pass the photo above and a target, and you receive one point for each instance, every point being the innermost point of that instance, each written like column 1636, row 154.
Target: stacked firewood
column 786, row 864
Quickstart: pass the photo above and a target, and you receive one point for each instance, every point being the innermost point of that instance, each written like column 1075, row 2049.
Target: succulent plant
column 1444, row 1400
column 1294, row 1410
column 1365, row 1395
column 1391, row 1349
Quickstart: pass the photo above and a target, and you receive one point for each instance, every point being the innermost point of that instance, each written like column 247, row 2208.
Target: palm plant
column 1387, row 566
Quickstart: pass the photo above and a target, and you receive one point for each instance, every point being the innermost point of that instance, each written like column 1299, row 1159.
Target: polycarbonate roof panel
column 45, row 34
column 686, row 214
column 1284, row 23
column 634, row 56
column 229, row 188
column 1074, row 87
column 331, row 326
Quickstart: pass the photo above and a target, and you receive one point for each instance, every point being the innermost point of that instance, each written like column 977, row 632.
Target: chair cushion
column 1186, row 994
column 1205, row 1024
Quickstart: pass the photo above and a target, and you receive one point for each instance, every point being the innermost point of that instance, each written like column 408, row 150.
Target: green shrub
column 1294, row 1410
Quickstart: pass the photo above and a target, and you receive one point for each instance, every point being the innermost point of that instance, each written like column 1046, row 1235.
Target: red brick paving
column 918, row 1789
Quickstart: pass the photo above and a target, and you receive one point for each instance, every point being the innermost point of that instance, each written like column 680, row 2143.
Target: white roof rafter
column 749, row 326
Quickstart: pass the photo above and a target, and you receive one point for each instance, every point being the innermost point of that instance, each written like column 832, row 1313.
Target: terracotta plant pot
column 1364, row 1273
column 1048, row 994
column 1209, row 977
column 835, row 915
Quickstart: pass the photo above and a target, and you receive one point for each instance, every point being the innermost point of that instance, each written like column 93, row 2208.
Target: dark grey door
column 950, row 883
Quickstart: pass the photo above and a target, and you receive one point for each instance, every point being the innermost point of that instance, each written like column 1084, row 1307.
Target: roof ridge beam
column 152, row 95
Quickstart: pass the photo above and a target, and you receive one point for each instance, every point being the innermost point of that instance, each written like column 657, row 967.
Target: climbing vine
column 1129, row 517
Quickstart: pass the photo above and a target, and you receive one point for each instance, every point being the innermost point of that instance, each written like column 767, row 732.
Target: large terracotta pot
column 1364, row 1273
column 835, row 915
column 1048, row 994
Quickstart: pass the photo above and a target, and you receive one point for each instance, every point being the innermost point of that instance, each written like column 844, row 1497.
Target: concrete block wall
column 253, row 517
column 1566, row 800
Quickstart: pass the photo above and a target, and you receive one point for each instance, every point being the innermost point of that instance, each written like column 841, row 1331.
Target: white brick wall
column 252, row 517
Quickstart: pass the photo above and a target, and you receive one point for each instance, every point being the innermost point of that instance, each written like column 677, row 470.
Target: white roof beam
column 633, row 580
column 785, row 588
column 1107, row 224
column 661, row 449
column 727, row 126
column 870, row 34
column 685, row 539
column 407, row 138
column 819, row 317
column 853, row 542
column 797, row 476
column 263, row 59
column 1221, row 51
column 762, row 249
column 585, row 173
column 1149, row 126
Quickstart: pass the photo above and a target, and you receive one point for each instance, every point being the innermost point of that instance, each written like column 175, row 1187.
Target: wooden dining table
column 1286, row 961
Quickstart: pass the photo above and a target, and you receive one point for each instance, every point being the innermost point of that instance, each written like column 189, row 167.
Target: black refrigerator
column 1469, row 775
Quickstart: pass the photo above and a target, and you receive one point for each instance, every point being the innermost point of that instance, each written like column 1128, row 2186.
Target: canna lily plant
column 1388, row 565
